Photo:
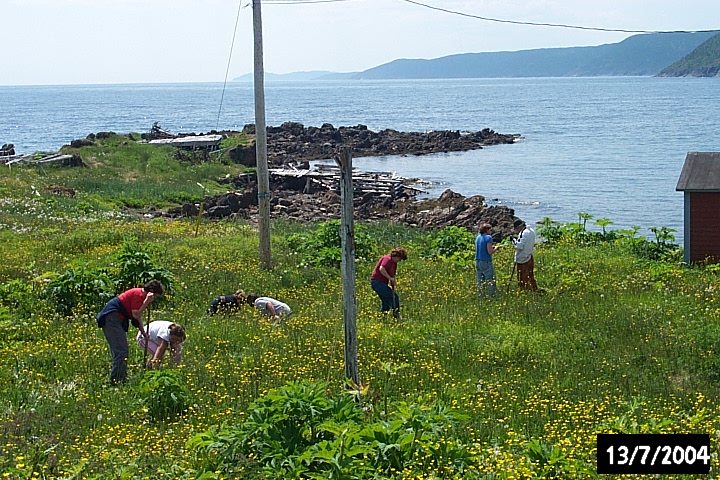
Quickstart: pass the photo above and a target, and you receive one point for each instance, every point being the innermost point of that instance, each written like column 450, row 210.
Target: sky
column 53, row 42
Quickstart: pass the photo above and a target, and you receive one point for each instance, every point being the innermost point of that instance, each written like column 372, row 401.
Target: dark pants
column 526, row 275
column 389, row 298
column 116, row 337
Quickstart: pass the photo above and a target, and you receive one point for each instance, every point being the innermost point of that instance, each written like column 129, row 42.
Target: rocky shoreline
column 293, row 143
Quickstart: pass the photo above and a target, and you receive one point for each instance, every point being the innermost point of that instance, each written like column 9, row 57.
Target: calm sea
column 612, row 147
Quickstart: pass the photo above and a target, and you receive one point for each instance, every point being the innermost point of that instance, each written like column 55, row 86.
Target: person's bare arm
column 137, row 313
column 384, row 273
column 492, row 248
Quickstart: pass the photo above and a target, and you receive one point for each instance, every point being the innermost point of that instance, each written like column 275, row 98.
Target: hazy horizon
column 60, row 42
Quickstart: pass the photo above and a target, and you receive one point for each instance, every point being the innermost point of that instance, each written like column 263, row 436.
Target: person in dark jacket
column 226, row 303
column 115, row 317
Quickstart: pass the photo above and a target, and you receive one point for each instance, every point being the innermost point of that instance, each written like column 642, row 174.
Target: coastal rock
column 7, row 150
column 293, row 142
column 450, row 209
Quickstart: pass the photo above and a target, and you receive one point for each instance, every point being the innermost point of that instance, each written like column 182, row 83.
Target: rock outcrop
column 449, row 209
column 293, row 142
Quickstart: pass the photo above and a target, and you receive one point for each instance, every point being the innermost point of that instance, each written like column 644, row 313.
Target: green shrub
column 135, row 267
column 296, row 431
column 80, row 290
column 164, row 394
column 456, row 244
column 323, row 246
column 18, row 295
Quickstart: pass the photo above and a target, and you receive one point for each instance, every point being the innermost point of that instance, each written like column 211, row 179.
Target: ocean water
column 612, row 147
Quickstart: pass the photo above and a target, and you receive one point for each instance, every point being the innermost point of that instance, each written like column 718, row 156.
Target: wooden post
column 261, row 141
column 347, row 239
column 200, row 212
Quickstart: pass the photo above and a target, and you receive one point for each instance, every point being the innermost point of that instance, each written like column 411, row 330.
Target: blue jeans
column 387, row 296
column 485, row 275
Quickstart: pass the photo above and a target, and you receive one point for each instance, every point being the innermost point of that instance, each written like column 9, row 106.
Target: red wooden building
column 700, row 181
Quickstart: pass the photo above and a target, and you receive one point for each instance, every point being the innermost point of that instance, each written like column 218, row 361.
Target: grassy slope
column 613, row 341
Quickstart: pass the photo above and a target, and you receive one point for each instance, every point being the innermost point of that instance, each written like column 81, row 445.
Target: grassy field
column 516, row 387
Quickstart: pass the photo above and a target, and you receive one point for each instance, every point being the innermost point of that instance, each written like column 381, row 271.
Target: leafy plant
column 549, row 461
column 297, row 431
column 456, row 244
column 135, row 267
column 17, row 294
column 164, row 394
column 323, row 246
column 661, row 248
column 79, row 290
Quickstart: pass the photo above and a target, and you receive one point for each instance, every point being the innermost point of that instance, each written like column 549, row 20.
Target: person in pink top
column 383, row 280
column 115, row 319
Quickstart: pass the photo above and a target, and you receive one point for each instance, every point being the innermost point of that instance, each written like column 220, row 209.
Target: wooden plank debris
column 30, row 158
column 327, row 177
column 210, row 142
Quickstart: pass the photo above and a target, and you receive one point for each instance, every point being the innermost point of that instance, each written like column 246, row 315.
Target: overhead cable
column 291, row 2
column 537, row 24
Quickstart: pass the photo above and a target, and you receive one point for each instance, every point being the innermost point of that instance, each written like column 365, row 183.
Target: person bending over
column 115, row 317
column 226, row 303
column 383, row 280
column 162, row 336
column 269, row 306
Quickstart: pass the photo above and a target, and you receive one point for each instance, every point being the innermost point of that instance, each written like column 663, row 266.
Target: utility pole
column 263, row 179
column 347, row 266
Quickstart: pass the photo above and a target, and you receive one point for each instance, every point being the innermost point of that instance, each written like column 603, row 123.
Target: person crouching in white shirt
column 163, row 335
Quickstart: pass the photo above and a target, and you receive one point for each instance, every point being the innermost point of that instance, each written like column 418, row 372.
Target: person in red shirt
column 115, row 319
column 383, row 280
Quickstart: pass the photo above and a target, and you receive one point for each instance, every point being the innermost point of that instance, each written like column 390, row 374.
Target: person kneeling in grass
column 226, row 303
column 269, row 306
column 162, row 335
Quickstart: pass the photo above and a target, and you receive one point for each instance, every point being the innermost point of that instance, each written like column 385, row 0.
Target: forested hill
column 638, row 55
column 704, row 61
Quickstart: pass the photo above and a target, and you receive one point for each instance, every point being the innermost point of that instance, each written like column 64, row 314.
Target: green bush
column 456, row 244
column 164, row 394
column 80, row 290
column 135, row 267
column 323, row 246
column 18, row 295
column 296, row 431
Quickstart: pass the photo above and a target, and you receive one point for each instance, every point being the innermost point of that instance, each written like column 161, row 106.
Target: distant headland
column 655, row 54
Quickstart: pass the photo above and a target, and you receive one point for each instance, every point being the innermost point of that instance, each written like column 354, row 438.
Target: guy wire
column 227, row 70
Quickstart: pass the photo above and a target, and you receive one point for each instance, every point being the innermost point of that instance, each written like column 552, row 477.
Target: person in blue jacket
column 484, row 268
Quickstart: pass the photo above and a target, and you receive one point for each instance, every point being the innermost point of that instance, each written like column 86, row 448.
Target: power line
column 537, row 24
column 291, row 2
column 497, row 20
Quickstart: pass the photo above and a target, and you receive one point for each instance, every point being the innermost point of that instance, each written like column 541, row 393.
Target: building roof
column 700, row 173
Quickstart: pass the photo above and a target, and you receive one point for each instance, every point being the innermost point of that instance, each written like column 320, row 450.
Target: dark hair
column 177, row 330
column 399, row 252
column 485, row 227
column 154, row 286
column 251, row 298
column 518, row 223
